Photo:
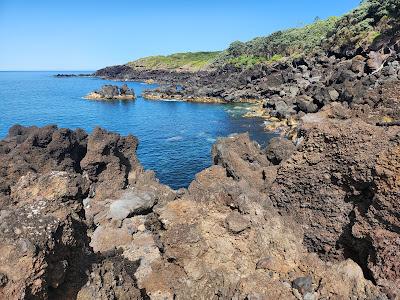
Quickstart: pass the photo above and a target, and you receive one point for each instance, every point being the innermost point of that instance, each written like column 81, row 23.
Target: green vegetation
column 365, row 24
column 280, row 44
column 361, row 27
column 191, row 61
column 246, row 60
column 251, row 60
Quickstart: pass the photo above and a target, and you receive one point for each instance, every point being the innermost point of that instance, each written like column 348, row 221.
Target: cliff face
column 80, row 218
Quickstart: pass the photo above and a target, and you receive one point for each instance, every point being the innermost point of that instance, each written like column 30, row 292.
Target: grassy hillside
column 259, row 50
column 191, row 61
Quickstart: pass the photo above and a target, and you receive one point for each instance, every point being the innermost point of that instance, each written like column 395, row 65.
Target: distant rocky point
column 73, row 75
column 112, row 92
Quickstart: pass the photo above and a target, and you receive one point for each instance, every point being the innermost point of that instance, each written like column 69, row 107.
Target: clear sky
column 90, row 34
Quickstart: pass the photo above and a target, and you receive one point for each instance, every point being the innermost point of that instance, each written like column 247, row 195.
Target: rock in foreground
column 112, row 92
column 81, row 219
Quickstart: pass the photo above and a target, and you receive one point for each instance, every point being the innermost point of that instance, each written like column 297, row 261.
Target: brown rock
column 347, row 212
column 279, row 149
column 241, row 158
column 207, row 240
column 358, row 64
column 236, row 223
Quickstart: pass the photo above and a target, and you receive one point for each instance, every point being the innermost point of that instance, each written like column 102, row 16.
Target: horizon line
column 47, row 70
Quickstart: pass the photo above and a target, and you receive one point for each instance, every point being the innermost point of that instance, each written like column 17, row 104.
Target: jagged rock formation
column 112, row 92
column 340, row 185
column 81, row 219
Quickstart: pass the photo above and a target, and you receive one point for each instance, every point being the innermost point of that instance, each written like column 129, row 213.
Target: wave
column 175, row 138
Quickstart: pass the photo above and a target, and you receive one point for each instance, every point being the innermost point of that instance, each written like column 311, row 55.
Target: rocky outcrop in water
column 112, row 92
column 80, row 217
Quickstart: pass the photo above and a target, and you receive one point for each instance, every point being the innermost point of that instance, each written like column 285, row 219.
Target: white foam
column 175, row 138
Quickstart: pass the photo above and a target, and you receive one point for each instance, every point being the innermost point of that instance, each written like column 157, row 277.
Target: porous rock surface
column 81, row 219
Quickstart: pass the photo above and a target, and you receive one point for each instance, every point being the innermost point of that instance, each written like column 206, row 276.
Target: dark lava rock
column 306, row 104
column 303, row 284
column 279, row 149
column 113, row 92
column 3, row 280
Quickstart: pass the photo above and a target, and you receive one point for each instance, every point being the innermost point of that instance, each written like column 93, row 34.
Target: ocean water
column 175, row 137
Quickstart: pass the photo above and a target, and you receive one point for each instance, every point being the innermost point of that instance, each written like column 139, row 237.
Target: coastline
column 311, row 214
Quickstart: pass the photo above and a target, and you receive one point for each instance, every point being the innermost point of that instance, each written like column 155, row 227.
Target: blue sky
column 90, row 34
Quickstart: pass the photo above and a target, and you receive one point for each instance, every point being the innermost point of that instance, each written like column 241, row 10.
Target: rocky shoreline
column 289, row 89
column 314, row 219
column 161, row 95
column 315, row 216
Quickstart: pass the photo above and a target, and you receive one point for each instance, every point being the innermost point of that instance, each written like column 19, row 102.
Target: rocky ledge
column 168, row 92
column 112, row 92
column 317, row 219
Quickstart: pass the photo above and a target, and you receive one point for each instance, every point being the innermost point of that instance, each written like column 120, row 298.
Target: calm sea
column 175, row 137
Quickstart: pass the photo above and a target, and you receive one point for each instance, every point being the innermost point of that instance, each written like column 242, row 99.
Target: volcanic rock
column 112, row 92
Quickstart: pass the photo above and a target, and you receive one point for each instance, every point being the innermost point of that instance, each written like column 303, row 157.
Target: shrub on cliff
column 362, row 26
column 341, row 35
column 289, row 42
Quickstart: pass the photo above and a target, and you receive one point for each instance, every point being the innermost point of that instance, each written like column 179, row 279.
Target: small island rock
column 112, row 92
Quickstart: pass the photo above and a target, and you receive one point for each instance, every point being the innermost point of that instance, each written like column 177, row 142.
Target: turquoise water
column 175, row 137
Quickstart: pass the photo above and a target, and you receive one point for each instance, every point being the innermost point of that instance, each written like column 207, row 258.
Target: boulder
column 279, row 149
column 375, row 60
column 242, row 158
column 110, row 162
column 125, row 90
column 131, row 203
column 358, row 65
column 303, row 284
column 306, row 104
column 333, row 94
column 282, row 110
column 109, row 91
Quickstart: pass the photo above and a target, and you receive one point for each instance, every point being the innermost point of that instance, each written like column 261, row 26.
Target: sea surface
column 175, row 137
